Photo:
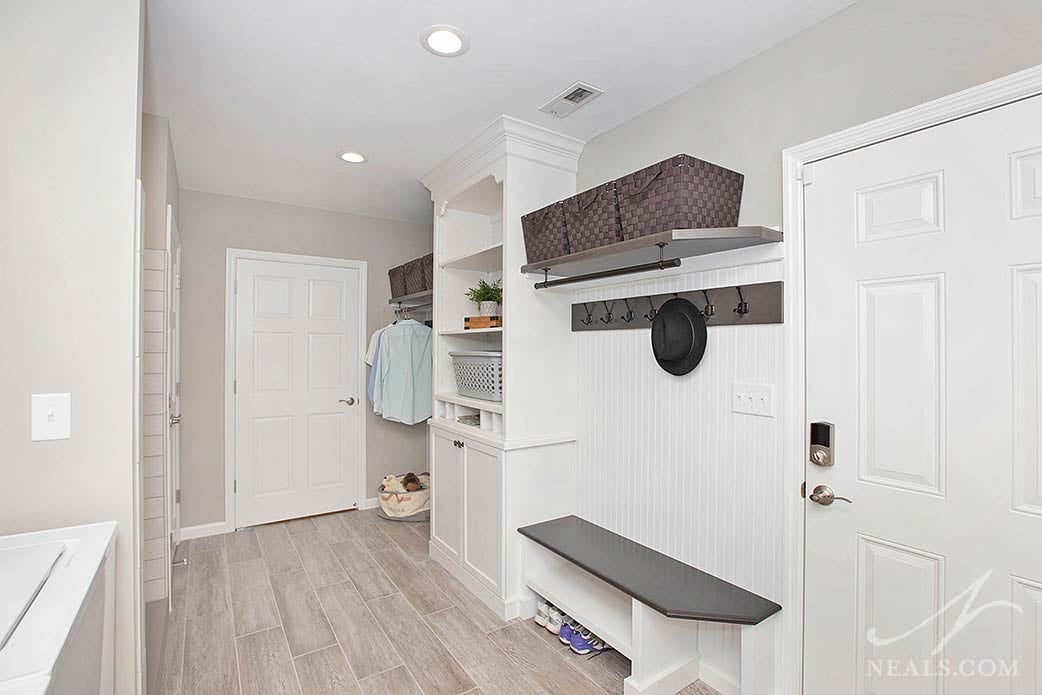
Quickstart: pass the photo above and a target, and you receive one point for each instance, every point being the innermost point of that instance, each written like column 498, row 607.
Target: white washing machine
column 57, row 612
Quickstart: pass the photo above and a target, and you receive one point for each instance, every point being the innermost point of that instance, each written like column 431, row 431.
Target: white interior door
column 173, row 387
column 924, row 335
column 298, row 400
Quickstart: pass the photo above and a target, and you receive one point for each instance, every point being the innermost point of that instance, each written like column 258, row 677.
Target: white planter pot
column 488, row 309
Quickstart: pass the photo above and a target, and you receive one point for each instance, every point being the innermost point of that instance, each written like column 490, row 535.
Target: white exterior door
column 924, row 348
column 298, row 393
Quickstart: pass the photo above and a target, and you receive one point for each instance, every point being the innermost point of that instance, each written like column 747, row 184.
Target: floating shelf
column 470, row 331
column 679, row 243
column 414, row 299
column 486, row 260
column 476, row 403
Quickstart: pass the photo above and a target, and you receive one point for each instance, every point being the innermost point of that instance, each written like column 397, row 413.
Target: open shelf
column 414, row 299
column 476, row 403
column 486, row 260
column 680, row 243
column 470, row 331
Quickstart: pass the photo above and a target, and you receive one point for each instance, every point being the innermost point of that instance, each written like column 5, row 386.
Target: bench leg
column 665, row 655
column 758, row 667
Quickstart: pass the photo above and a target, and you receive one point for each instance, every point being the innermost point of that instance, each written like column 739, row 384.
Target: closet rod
column 628, row 270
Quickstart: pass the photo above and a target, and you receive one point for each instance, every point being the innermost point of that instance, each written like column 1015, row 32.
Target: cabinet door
column 446, row 493
column 483, row 513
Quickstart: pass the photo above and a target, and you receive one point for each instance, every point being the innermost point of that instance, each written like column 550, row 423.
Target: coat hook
column 628, row 316
column 743, row 306
column 709, row 309
column 608, row 317
column 650, row 316
column 589, row 315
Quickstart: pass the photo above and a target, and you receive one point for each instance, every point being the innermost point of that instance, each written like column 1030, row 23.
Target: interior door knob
column 349, row 400
column 823, row 495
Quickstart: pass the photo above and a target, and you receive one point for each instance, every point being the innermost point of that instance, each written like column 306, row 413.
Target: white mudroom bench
column 646, row 604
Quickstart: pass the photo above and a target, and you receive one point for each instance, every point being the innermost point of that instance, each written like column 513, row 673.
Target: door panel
column 924, row 258
column 483, row 510
column 446, row 485
column 298, row 440
column 172, row 412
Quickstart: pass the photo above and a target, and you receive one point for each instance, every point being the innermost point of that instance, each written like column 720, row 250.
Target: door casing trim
column 232, row 257
column 795, row 160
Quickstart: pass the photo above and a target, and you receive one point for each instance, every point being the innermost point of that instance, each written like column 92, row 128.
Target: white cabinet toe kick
column 647, row 605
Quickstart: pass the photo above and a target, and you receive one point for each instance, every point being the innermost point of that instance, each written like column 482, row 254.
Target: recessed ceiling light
column 444, row 40
column 352, row 157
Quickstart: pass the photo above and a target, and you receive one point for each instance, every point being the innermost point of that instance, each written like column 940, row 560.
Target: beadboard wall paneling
column 664, row 461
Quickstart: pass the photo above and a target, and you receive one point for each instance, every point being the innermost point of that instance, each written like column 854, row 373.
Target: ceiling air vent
column 579, row 94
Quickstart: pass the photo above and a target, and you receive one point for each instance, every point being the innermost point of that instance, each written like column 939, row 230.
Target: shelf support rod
column 614, row 272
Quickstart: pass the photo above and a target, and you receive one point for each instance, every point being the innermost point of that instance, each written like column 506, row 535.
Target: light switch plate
column 753, row 399
column 51, row 416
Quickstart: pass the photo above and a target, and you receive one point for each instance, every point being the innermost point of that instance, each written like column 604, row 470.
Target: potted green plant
column 488, row 296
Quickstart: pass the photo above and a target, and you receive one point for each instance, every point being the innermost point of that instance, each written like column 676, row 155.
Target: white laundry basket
column 479, row 374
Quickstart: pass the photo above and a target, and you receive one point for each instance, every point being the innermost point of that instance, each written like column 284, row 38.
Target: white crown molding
column 504, row 136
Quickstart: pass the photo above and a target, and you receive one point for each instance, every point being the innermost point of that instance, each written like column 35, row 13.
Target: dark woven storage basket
column 414, row 276
column 427, row 264
column 545, row 235
column 681, row 192
column 397, row 277
column 591, row 218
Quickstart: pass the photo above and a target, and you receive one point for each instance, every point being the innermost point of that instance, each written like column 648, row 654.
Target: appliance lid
column 23, row 572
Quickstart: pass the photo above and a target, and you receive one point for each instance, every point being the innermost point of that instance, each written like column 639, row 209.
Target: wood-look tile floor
column 351, row 604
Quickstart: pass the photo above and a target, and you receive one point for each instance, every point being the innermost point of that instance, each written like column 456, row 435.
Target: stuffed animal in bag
column 411, row 482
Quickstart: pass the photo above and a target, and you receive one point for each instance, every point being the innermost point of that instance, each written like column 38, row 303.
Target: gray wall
column 872, row 59
column 210, row 224
column 70, row 105
column 159, row 176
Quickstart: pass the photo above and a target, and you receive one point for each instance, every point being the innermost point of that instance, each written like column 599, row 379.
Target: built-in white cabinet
column 468, row 505
column 512, row 466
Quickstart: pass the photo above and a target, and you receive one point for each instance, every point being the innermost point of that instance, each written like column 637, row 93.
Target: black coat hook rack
column 756, row 303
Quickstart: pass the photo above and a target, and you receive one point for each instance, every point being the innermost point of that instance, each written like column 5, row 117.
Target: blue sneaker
column 567, row 630
column 584, row 642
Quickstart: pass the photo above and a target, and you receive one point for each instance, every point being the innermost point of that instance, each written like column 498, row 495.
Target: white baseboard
column 723, row 683
column 203, row 530
column 371, row 503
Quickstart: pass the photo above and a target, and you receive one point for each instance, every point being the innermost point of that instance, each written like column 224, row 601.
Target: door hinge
column 803, row 489
column 235, row 486
column 235, row 386
column 177, row 496
column 806, row 175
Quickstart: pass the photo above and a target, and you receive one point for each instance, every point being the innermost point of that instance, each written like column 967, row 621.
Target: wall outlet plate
column 51, row 416
column 753, row 399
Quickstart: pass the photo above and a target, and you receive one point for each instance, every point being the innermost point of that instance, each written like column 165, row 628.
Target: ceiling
column 263, row 94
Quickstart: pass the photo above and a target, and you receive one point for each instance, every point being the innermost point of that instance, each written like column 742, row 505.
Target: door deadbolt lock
column 822, row 443
column 823, row 495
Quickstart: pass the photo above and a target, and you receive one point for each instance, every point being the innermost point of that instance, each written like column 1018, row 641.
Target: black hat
column 678, row 336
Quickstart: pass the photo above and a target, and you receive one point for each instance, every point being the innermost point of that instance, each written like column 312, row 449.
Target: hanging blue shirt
column 403, row 387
